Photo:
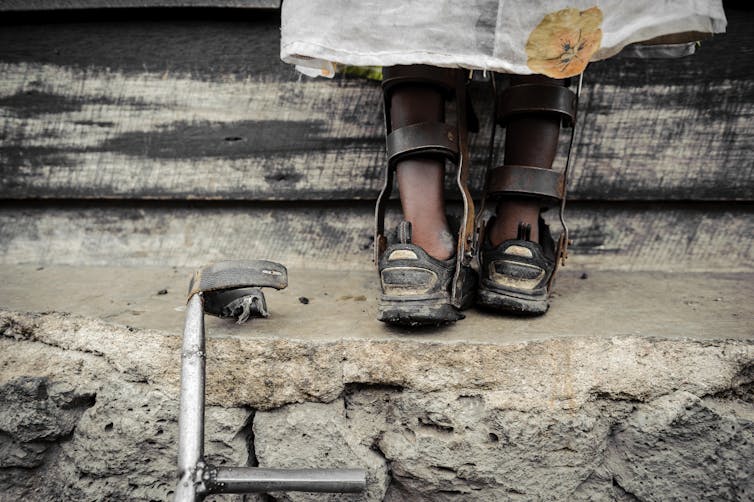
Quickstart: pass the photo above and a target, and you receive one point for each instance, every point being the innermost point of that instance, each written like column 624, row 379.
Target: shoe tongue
column 524, row 231
column 404, row 232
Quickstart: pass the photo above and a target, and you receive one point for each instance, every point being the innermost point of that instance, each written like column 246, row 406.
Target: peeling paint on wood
column 662, row 237
column 207, row 111
column 144, row 136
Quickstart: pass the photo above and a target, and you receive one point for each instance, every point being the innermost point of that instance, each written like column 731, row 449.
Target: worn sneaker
column 415, row 286
column 515, row 275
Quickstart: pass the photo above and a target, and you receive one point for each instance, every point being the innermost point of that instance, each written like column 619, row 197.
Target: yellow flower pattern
column 564, row 41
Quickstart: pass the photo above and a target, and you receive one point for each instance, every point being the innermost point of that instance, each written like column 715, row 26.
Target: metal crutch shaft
column 231, row 289
column 191, row 418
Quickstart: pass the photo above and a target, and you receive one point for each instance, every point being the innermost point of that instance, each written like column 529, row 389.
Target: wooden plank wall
column 135, row 112
column 658, row 236
column 55, row 5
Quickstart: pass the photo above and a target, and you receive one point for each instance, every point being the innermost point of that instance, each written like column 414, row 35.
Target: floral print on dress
column 564, row 41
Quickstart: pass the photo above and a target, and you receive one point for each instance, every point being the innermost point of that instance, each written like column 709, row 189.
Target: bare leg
column 530, row 140
column 420, row 180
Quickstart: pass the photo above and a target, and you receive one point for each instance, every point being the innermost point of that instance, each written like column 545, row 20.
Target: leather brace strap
column 433, row 138
column 527, row 181
column 443, row 78
column 537, row 98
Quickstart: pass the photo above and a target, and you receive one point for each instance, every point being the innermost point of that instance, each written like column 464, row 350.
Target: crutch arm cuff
column 234, row 274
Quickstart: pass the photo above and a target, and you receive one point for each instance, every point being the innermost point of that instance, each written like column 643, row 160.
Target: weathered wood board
column 660, row 237
column 45, row 5
column 205, row 110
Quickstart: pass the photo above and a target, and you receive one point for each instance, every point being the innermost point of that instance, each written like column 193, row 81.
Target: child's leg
column 530, row 140
column 420, row 179
column 417, row 268
column 518, row 257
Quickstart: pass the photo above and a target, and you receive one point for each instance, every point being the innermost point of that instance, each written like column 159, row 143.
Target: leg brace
column 547, row 185
column 430, row 138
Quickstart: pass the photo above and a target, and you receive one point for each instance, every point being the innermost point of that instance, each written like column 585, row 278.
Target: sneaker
column 515, row 275
column 415, row 286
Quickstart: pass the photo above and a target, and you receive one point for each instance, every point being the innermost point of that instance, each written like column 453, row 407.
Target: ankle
column 511, row 214
column 436, row 240
column 501, row 231
column 420, row 183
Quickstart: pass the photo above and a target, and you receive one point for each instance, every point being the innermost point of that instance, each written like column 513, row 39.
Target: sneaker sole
column 417, row 312
column 511, row 303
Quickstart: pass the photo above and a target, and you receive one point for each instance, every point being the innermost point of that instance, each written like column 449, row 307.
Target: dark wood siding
column 202, row 109
column 52, row 5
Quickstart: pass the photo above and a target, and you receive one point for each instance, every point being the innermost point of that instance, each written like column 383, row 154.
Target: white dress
column 552, row 37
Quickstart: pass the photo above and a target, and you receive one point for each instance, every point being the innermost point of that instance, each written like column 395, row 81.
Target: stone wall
column 88, row 412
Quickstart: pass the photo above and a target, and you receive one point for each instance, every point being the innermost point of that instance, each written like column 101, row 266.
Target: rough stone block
column 91, row 408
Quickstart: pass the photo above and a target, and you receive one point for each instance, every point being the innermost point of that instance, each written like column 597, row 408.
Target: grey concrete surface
column 342, row 304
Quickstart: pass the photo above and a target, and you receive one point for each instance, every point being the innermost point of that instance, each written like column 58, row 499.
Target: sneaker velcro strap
column 425, row 138
column 527, row 181
column 537, row 98
column 445, row 79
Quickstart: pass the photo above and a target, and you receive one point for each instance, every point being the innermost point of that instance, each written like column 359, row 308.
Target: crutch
column 232, row 289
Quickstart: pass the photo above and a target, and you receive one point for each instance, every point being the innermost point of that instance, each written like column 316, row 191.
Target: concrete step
column 633, row 384
column 615, row 400
column 324, row 305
